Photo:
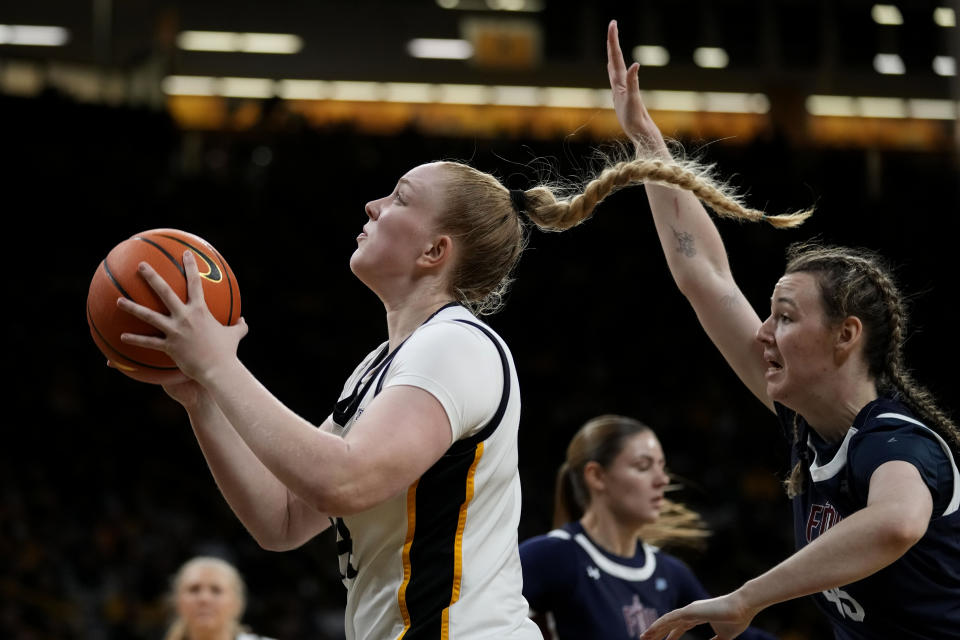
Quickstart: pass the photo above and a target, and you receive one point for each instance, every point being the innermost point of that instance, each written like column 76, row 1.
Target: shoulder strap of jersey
column 954, row 504
column 488, row 429
column 344, row 409
column 469, row 443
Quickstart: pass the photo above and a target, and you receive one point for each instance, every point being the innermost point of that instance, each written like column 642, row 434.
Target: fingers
column 656, row 632
column 151, row 317
column 167, row 295
column 138, row 340
column 614, row 54
column 194, row 281
column 668, row 627
column 615, row 64
column 241, row 328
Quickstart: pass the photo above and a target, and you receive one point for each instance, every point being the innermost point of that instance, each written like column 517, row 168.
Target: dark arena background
column 118, row 118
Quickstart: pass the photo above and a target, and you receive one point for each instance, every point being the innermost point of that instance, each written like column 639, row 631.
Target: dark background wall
column 103, row 491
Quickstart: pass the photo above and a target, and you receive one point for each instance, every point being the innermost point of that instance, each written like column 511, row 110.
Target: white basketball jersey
column 440, row 560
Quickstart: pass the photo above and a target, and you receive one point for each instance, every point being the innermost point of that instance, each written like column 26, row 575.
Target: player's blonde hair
column 178, row 627
column 484, row 218
column 857, row 282
column 601, row 440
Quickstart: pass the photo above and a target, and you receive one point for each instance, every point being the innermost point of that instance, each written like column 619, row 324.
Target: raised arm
column 276, row 518
column 690, row 240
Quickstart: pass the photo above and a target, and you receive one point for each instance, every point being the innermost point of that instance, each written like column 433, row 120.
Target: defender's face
column 798, row 343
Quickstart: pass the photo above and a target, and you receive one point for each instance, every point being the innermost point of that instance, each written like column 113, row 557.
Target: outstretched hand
column 625, row 87
column 726, row 616
column 192, row 337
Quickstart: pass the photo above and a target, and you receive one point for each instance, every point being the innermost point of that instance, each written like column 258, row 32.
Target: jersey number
column 345, row 551
column 846, row 605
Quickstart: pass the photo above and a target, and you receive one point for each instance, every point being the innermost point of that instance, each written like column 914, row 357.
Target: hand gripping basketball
column 118, row 275
column 192, row 337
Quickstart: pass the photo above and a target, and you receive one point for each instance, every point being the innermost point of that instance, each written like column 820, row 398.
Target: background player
column 208, row 597
column 875, row 485
column 601, row 573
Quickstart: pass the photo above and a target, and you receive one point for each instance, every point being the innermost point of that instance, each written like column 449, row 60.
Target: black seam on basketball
column 213, row 277
column 170, row 257
column 106, row 269
column 226, row 273
column 103, row 338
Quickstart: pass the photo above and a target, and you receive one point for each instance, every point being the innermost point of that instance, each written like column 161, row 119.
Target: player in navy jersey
column 875, row 486
column 601, row 573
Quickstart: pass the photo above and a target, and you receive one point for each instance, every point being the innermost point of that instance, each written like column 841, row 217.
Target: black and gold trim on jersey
column 347, row 407
column 436, row 517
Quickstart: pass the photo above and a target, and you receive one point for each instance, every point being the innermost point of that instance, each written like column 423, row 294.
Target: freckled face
column 399, row 228
column 635, row 481
column 207, row 599
column 798, row 343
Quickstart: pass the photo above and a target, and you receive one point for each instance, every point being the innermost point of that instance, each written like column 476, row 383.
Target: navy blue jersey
column 589, row 593
column 918, row 596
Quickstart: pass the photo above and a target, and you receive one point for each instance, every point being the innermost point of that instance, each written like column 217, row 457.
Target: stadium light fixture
column 886, row 14
column 33, row 35
column 440, row 48
column 710, row 57
column 526, row 6
column 945, row 17
column 889, row 64
column 651, row 55
column 228, row 41
column 945, row 66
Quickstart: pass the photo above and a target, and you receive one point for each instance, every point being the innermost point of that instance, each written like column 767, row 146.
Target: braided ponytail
column 551, row 214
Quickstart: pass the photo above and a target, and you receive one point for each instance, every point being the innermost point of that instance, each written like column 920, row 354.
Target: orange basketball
column 117, row 276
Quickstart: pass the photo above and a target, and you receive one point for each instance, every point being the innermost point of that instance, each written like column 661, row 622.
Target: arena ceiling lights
column 273, row 43
column 874, row 107
column 519, row 6
column 886, row 14
column 945, row 17
column 440, row 48
column 33, row 35
column 464, row 94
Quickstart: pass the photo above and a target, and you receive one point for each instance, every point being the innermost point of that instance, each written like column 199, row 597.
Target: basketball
column 117, row 276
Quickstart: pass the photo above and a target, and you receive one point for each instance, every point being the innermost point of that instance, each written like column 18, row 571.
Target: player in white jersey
column 208, row 596
column 440, row 558
column 423, row 485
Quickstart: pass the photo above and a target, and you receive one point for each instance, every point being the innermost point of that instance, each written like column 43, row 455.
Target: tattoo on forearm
column 684, row 243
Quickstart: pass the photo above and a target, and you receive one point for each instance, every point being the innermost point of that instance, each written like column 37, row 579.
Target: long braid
column 552, row 214
column 795, row 482
column 896, row 373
